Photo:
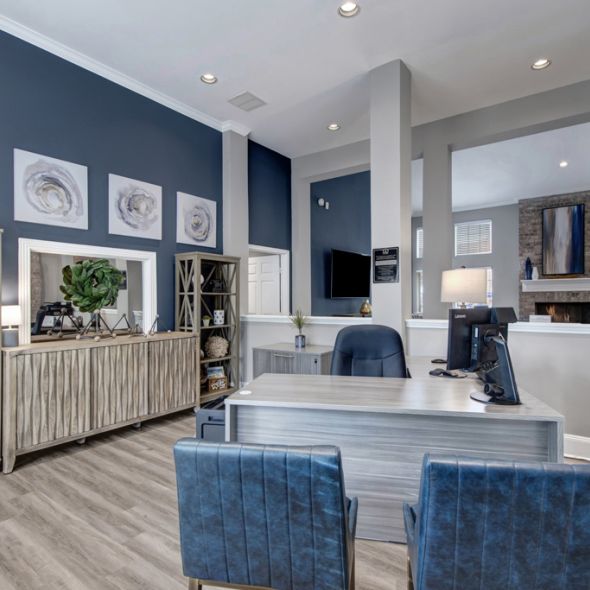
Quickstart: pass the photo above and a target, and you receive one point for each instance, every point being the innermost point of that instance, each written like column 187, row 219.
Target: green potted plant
column 90, row 285
column 206, row 320
column 298, row 320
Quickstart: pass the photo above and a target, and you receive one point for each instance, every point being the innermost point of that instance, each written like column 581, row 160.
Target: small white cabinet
column 284, row 359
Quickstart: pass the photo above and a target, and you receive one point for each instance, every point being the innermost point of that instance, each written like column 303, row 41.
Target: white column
column 391, row 141
column 235, row 206
column 437, row 221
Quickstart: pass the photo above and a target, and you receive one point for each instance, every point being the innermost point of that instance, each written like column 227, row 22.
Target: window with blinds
column 473, row 237
column 419, row 242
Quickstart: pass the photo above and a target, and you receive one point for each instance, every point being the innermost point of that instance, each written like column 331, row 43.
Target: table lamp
column 11, row 320
column 464, row 285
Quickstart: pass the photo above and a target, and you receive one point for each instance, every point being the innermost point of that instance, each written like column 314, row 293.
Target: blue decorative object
column 265, row 516
column 528, row 269
column 494, row 525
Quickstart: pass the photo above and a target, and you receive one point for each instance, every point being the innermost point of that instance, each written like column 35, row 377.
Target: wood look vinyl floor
column 103, row 516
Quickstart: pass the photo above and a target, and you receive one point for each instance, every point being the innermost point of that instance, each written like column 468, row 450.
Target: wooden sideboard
column 55, row 392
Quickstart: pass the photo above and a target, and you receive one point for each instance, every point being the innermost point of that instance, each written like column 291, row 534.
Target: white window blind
column 473, row 237
column 419, row 242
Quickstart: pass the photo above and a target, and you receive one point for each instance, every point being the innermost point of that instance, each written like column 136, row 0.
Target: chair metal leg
column 194, row 584
column 410, row 578
column 353, row 575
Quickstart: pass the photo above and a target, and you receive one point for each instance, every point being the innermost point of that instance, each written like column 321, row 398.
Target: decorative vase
column 366, row 310
column 528, row 269
column 535, row 274
column 218, row 317
column 206, row 322
column 300, row 341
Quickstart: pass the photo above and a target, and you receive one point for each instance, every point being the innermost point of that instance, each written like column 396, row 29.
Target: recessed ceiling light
column 563, row 164
column 541, row 63
column 348, row 9
column 333, row 127
column 209, row 78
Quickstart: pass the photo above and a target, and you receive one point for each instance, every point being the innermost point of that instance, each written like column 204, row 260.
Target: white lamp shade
column 466, row 285
column 11, row 315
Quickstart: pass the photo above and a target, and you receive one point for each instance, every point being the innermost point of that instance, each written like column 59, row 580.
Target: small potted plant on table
column 298, row 321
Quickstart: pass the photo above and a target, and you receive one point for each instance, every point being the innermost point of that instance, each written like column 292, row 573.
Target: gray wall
column 503, row 259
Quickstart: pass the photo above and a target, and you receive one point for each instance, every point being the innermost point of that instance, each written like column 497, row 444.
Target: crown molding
column 237, row 127
column 35, row 38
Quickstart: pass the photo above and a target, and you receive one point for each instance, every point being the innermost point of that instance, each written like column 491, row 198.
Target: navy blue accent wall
column 52, row 107
column 269, row 206
column 345, row 226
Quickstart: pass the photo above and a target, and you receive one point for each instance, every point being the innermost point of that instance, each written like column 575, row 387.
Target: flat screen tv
column 351, row 275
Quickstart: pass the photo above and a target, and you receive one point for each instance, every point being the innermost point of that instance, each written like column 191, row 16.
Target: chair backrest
column 270, row 516
column 369, row 351
column 503, row 525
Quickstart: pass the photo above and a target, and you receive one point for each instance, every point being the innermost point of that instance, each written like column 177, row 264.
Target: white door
column 264, row 284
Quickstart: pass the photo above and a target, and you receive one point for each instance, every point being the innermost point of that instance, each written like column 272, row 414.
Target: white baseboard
column 577, row 447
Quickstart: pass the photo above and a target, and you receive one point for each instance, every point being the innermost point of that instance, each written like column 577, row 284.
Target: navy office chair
column 369, row 351
column 264, row 516
column 499, row 525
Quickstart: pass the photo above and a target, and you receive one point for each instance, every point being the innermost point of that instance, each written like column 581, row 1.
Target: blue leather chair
column 498, row 525
column 369, row 351
column 264, row 516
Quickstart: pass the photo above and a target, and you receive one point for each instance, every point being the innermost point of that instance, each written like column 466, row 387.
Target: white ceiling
column 505, row 172
column 309, row 64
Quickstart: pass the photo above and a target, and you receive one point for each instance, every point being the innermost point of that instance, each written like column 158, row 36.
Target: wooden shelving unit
column 196, row 275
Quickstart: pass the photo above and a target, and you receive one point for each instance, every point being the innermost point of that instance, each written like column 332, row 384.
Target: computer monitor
column 461, row 322
column 477, row 342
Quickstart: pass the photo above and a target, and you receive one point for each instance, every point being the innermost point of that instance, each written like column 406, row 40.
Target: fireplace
column 566, row 312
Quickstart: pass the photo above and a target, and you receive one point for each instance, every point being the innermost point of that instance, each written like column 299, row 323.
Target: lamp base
column 9, row 338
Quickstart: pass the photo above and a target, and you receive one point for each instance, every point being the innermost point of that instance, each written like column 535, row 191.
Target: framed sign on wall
column 386, row 265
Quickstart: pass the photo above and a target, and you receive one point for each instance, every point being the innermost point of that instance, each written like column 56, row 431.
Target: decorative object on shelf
column 528, row 269
column 135, row 208
column 215, row 286
column 216, row 347
column 60, row 312
column 91, row 285
column 563, row 240
column 137, row 318
column 366, row 310
column 50, row 191
column 218, row 317
column 215, row 371
column 206, row 321
column 323, row 204
column 217, row 384
column 196, row 221
column 11, row 320
column 535, row 274
column 299, row 320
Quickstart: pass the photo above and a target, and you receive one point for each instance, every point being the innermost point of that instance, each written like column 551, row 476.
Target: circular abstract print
column 53, row 191
column 197, row 222
column 137, row 207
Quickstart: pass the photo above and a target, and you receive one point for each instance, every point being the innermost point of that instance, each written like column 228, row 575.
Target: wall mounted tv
column 351, row 275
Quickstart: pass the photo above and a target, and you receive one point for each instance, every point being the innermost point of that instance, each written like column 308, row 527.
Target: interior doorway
column 268, row 281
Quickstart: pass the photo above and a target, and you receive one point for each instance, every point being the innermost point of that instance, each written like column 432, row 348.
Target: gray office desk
column 384, row 426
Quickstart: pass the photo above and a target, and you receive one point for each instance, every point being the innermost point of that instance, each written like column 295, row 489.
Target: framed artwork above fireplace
column 563, row 240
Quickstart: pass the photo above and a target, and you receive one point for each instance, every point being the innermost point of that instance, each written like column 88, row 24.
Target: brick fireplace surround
column 530, row 244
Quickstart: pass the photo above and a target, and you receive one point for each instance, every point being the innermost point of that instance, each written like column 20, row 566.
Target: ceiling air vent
column 247, row 101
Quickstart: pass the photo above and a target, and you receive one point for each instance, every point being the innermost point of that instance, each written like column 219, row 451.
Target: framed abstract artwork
column 135, row 208
column 196, row 221
column 50, row 191
column 563, row 240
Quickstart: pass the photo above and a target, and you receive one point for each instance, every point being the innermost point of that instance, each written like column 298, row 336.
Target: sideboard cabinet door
column 173, row 374
column 53, row 396
column 119, row 383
